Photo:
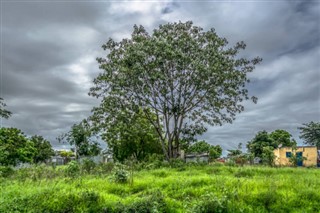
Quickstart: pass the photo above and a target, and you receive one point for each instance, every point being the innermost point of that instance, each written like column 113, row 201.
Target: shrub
column 72, row 169
column 210, row 203
column 6, row 171
column 120, row 174
column 88, row 165
column 177, row 163
column 151, row 203
column 104, row 168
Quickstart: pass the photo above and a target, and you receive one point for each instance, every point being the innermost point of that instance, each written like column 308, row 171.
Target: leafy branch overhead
column 3, row 112
column 181, row 73
column 310, row 133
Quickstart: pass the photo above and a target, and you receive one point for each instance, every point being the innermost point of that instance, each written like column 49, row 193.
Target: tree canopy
column 264, row 142
column 310, row 133
column 283, row 138
column 130, row 135
column 15, row 147
column 184, row 75
column 80, row 137
column 43, row 149
column 3, row 112
column 204, row 147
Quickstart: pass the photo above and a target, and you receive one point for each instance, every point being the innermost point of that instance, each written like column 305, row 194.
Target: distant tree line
column 16, row 148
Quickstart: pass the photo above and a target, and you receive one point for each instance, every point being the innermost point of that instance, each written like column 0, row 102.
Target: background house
column 202, row 157
column 283, row 155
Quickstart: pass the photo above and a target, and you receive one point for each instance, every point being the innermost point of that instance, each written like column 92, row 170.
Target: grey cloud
column 285, row 101
column 268, row 28
column 33, row 14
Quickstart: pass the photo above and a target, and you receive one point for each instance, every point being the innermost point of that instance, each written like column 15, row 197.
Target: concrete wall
column 310, row 152
column 197, row 158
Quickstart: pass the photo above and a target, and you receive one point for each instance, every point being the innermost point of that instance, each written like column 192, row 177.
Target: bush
column 72, row 169
column 177, row 163
column 88, row 165
column 120, row 174
column 104, row 168
column 210, row 203
column 153, row 202
column 6, row 171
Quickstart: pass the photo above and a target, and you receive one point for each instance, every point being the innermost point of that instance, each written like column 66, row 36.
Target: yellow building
column 308, row 154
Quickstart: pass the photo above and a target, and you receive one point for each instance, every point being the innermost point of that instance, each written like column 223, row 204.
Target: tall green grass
column 210, row 188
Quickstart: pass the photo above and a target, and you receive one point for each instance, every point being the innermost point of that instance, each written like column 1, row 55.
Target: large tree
column 310, row 133
column 185, row 75
column 3, row 112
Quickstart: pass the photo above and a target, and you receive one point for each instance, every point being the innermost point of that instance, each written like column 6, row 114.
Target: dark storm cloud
column 49, row 50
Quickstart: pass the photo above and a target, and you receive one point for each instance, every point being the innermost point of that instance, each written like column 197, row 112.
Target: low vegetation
column 159, row 187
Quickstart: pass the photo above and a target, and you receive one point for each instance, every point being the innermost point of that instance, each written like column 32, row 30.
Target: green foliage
column 215, row 152
column 6, row 171
column 120, row 174
column 178, row 163
column 80, row 136
column 38, row 172
column 66, row 154
column 199, row 147
column 274, row 139
column 151, row 203
column 104, row 168
column 15, row 147
column 178, row 73
column 310, row 133
column 72, row 169
column 204, row 147
column 3, row 112
column 268, row 155
column 205, row 188
column 130, row 134
column 260, row 141
column 43, row 149
column 209, row 203
column 88, row 165
column 282, row 137
column 85, row 201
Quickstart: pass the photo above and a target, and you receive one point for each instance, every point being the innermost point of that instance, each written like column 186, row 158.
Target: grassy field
column 209, row 188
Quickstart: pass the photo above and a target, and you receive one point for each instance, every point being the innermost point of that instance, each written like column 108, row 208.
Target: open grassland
column 209, row 188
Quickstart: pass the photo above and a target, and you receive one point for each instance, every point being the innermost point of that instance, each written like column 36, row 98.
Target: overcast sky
column 48, row 52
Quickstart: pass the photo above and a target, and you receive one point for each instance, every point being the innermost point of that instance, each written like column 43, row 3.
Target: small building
column 57, row 160
column 308, row 155
column 203, row 157
column 257, row 160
